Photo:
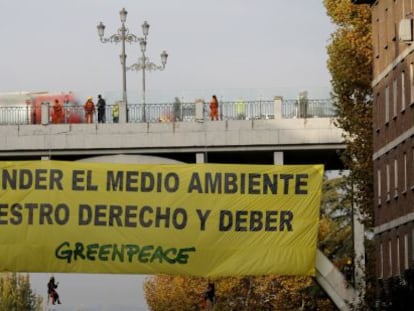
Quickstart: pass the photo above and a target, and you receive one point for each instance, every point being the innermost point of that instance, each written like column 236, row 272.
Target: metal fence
column 15, row 115
column 310, row 108
column 177, row 112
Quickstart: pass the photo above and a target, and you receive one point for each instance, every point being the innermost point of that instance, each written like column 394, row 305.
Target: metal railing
column 14, row 115
column 311, row 108
column 175, row 112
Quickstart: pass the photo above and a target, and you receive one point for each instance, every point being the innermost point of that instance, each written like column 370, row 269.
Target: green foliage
column 335, row 233
column 16, row 293
column 350, row 64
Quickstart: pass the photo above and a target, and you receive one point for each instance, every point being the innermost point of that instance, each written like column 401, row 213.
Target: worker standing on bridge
column 115, row 112
column 89, row 108
column 214, row 108
column 57, row 113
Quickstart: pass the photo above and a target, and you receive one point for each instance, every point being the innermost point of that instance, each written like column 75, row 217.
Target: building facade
column 393, row 154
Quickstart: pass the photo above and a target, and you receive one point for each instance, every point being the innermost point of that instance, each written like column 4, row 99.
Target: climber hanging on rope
column 51, row 291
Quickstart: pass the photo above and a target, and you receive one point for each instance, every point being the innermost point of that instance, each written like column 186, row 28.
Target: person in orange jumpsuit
column 57, row 113
column 89, row 108
column 214, row 108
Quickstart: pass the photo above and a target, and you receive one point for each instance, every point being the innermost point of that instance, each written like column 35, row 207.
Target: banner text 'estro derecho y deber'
column 185, row 219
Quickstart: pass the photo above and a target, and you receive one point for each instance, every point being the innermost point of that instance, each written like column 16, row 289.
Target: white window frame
column 377, row 106
column 395, row 178
column 412, row 165
column 387, row 167
column 390, row 258
column 403, row 106
column 387, row 104
column 379, row 185
column 398, row 272
column 406, row 266
column 377, row 43
column 412, row 83
column 405, row 183
column 394, row 98
column 381, row 272
column 412, row 244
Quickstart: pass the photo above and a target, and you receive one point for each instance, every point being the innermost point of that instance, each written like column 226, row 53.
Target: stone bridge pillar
column 277, row 101
column 278, row 158
column 123, row 117
column 45, row 113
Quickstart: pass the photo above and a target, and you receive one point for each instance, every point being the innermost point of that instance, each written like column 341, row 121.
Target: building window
column 405, row 251
column 394, row 98
column 378, row 39
column 412, row 244
column 398, row 268
column 412, row 83
column 395, row 178
column 405, row 173
column 389, row 258
column 386, row 28
column 376, row 118
column 387, row 105
column 403, row 91
column 379, row 186
column 388, row 181
column 381, row 264
column 394, row 19
column 412, row 163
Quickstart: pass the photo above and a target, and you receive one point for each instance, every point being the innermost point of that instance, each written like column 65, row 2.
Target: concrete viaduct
column 271, row 141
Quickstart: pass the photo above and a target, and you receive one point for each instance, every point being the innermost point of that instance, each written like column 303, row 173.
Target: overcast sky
column 233, row 48
column 229, row 47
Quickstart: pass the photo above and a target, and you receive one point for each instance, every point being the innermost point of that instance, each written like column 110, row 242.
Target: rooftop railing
column 172, row 112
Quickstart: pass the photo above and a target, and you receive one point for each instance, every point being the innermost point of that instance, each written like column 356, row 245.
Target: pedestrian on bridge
column 214, row 108
column 101, row 109
column 115, row 112
column 89, row 108
column 57, row 113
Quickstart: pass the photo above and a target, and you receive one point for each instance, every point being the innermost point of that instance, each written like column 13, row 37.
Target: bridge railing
column 228, row 110
column 14, row 115
column 174, row 112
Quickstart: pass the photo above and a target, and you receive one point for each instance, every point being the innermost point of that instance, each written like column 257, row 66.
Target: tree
column 16, row 293
column 335, row 233
column 335, row 230
column 165, row 292
column 267, row 293
column 350, row 64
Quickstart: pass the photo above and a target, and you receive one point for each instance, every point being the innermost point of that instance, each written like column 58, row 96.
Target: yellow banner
column 187, row 219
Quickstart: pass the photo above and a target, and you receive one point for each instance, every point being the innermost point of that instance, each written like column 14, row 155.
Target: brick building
column 393, row 154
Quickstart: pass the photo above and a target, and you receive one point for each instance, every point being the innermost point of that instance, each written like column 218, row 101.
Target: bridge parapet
column 228, row 133
column 28, row 112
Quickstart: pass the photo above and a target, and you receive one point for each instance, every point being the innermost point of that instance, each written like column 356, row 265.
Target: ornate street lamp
column 144, row 63
column 123, row 35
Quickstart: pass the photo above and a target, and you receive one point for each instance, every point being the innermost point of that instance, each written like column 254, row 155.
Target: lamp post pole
column 143, row 46
column 145, row 65
column 123, row 35
column 123, row 63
